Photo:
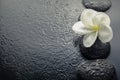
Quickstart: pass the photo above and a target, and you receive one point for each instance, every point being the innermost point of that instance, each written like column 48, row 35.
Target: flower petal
column 79, row 28
column 101, row 18
column 90, row 39
column 87, row 17
column 105, row 33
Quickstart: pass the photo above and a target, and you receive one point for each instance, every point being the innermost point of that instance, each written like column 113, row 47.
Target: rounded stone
column 98, row 69
column 98, row 50
column 99, row 5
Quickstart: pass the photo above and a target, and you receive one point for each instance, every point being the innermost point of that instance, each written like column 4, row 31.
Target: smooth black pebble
column 99, row 5
column 98, row 50
column 98, row 69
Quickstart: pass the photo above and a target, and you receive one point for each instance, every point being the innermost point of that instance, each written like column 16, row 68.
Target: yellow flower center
column 96, row 28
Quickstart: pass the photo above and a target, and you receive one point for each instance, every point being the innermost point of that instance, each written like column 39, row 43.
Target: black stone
column 99, row 5
column 96, row 70
column 98, row 50
column 79, row 18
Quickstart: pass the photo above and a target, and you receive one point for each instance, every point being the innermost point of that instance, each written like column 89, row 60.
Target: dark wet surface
column 36, row 39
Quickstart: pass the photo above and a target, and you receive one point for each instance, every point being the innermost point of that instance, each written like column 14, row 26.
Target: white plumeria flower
column 93, row 24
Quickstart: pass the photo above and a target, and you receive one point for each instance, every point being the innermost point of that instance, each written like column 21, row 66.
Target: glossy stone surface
column 99, row 5
column 97, row 51
column 96, row 70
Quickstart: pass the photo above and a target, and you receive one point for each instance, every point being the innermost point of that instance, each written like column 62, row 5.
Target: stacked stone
column 96, row 67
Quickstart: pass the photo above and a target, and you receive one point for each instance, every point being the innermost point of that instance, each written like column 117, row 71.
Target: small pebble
column 99, row 5
column 98, row 69
column 98, row 50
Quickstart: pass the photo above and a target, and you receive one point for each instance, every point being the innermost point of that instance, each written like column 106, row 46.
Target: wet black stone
column 79, row 18
column 96, row 70
column 97, row 51
column 99, row 5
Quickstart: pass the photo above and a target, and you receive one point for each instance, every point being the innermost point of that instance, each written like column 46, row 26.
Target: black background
column 37, row 42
